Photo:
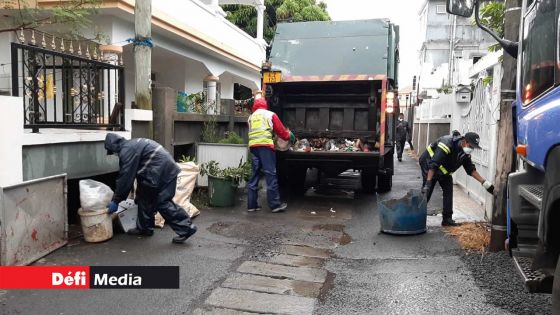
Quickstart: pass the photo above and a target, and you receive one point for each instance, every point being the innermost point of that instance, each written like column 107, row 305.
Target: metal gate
column 478, row 118
column 481, row 115
column 63, row 90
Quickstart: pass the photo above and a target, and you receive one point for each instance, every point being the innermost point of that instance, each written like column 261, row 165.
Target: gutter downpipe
column 452, row 50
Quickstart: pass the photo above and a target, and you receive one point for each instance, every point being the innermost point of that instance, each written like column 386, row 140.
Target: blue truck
column 534, row 188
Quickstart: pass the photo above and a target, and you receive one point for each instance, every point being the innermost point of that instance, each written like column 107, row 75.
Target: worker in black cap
column 441, row 159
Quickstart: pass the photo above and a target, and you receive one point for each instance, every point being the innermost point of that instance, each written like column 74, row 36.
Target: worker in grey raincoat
column 156, row 174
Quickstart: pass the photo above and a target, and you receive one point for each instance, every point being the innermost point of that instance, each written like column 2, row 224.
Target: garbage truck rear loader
column 334, row 84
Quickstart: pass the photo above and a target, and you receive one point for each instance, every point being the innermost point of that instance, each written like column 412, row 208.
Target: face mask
column 467, row 150
column 400, row 119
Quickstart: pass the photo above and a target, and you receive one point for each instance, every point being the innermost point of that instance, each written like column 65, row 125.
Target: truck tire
column 384, row 183
column 556, row 290
column 297, row 181
column 368, row 181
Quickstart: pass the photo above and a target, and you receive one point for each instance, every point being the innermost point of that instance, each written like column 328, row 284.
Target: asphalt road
column 325, row 255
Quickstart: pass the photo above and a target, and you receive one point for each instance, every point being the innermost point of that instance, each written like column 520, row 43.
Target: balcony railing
column 65, row 90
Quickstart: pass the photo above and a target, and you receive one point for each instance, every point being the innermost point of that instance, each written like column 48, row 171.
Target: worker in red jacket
column 262, row 125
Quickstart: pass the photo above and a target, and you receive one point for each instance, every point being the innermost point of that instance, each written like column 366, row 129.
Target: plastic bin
column 97, row 225
column 221, row 191
column 404, row 216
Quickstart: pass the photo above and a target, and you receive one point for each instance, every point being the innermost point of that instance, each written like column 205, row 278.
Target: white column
column 211, row 84
column 11, row 140
column 260, row 22
column 111, row 54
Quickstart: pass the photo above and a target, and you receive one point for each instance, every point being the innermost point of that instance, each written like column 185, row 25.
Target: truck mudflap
column 385, row 171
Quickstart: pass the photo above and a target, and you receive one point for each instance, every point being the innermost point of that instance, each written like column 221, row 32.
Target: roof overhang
column 254, row 3
column 169, row 24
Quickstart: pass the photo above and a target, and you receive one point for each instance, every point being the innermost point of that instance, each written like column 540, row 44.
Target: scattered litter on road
column 333, row 211
column 313, row 212
column 123, row 251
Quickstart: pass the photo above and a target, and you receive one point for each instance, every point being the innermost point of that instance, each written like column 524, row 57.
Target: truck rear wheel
column 556, row 290
column 384, row 183
column 368, row 181
column 297, row 181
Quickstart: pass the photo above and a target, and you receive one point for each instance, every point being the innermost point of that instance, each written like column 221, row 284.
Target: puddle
column 327, row 287
column 307, row 289
column 345, row 239
column 329, row 227
column 219, row 227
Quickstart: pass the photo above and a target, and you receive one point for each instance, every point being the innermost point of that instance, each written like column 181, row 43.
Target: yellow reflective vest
column 260, row 129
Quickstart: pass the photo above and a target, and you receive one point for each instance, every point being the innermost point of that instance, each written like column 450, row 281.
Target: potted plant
column 226, row 150
column 223, row 182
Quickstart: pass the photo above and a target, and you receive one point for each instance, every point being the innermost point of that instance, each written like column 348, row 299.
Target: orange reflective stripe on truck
column 382, row 124
column 327, row 78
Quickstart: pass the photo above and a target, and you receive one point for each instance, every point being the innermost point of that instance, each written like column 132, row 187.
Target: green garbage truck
column 334, row 84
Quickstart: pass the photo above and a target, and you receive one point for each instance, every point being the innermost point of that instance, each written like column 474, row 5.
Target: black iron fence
column 62, row 90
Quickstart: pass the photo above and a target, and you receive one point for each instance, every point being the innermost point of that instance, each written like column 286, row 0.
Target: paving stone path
column 287, row 282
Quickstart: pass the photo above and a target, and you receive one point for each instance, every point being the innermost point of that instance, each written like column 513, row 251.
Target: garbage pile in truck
column 332, row 145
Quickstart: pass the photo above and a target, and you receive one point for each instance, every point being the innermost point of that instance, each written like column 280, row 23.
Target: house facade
column 60, row 96
column 71, row 91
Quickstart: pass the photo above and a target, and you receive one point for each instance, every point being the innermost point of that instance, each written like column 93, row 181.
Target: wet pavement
column 324, row 256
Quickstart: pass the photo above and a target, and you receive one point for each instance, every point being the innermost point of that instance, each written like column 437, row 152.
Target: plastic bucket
column 97, row 225
column 404, row 216
column 221, row 192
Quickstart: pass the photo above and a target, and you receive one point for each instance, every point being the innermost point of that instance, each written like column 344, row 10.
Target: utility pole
column 505, row 154
column 143, row 55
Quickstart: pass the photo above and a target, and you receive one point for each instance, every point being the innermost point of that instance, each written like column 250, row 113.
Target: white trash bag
column 282, row 145
column 94, row 195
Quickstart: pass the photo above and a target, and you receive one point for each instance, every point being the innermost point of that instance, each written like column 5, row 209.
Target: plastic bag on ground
column 94, row 195
column 159, row 221
column 186, row 182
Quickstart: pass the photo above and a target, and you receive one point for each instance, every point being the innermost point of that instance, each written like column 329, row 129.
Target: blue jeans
column 263, row 158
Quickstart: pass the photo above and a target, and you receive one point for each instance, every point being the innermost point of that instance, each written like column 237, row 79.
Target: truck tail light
column 390, row 102
column 522, row 150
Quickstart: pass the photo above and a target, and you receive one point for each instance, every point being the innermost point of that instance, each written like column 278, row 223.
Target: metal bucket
column 405, row 216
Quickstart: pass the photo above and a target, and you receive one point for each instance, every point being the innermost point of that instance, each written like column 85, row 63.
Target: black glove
column 488, row 186
column 426, row 187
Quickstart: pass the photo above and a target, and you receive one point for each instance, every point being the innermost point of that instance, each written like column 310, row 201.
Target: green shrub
column 232, row 138
column 236, row 174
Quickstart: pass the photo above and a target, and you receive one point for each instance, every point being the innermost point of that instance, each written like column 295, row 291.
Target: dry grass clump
column 472, row 236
